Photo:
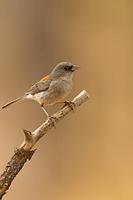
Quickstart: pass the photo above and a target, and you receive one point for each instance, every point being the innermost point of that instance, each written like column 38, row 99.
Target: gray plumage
column 52, row 88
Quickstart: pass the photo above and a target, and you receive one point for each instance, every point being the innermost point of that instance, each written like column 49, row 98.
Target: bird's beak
column 75, row 67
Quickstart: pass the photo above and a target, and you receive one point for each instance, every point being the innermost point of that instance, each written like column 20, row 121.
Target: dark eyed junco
column 51, row 89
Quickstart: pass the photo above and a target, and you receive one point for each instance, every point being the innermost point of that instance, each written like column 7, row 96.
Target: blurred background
column 90, row 153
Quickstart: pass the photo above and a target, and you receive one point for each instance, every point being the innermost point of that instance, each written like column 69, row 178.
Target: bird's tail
column 12, row 102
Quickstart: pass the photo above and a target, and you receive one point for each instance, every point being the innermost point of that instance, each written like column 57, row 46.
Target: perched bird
column 51, row 89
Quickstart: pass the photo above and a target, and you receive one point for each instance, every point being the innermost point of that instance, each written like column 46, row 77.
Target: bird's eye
column 68, row 68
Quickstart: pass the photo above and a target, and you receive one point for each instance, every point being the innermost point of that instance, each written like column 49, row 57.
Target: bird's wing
column 40, row 86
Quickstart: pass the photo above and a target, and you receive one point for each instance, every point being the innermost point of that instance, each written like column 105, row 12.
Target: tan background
column 90, row 154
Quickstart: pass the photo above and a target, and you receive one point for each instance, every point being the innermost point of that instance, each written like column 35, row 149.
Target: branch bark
column 24, row 152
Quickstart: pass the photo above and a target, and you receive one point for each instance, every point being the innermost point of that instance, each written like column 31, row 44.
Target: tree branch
column 24, row 152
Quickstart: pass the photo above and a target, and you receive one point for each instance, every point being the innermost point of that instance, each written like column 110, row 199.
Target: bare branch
column 24, row 152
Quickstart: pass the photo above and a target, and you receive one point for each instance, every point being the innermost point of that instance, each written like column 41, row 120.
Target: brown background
column 90, row 154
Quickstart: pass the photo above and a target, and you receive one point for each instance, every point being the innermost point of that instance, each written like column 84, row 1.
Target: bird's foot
column 70, row 104
column 52, row 120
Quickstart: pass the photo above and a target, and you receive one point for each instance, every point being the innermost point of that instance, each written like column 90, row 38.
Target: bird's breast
column 57, row 91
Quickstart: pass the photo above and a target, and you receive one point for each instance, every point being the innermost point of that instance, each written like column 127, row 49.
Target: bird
column 52, row 88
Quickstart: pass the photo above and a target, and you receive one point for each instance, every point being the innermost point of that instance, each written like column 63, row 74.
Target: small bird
column 51, row 89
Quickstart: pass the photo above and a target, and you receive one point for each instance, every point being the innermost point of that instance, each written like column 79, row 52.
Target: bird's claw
column 70, row 104
column 52, row 120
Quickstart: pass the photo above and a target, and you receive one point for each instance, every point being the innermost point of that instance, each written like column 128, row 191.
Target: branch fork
column 25, row 152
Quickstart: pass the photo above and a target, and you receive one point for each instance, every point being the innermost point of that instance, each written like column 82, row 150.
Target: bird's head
column 64, row 69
